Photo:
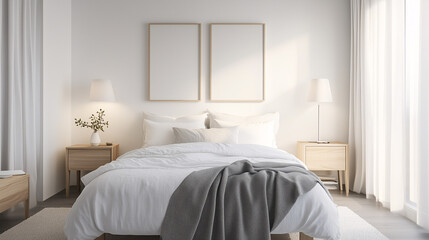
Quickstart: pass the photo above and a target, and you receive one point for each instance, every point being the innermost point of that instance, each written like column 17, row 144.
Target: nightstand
column 333, row 156
column 87, row 158
column 14, row 190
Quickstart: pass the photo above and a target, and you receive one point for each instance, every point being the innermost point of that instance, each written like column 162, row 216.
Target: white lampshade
column 102, row 90
column 320, row 91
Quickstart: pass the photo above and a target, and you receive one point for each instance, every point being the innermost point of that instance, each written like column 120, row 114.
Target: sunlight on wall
column 115, row 114
column 286, row 59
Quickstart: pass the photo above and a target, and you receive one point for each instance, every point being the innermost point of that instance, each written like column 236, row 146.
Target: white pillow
column 196, row 119
column 252, row 133
column 262, row 118
column 215, row 135
column 161, row 133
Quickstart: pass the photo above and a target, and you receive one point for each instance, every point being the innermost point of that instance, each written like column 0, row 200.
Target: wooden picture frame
column 237, row 62
column 174, row 70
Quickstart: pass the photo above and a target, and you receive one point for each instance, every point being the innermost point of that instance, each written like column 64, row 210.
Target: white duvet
column 130, row 195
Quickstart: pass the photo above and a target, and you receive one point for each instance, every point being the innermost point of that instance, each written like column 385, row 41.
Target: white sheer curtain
column 383, row 108
column 422, row 165
column 21, row 86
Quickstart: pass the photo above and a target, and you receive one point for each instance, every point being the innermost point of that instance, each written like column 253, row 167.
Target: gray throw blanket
column 239, row 201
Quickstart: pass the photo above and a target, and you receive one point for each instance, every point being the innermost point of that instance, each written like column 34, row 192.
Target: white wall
column 56, row 92
column 305, row 39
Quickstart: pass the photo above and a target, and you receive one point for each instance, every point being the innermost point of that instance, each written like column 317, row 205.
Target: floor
column 392, row 225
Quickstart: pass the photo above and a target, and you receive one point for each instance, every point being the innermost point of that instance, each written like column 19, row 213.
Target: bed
column 130, row 196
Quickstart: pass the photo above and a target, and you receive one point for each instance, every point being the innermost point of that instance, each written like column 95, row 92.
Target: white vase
column 95, row 139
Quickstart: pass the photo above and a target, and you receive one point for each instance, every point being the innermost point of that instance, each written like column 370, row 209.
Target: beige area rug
column 48, row 225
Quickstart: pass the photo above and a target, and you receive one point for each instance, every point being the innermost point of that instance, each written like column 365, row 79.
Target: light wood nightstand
column 86, row 157
column 333, row 156
column 14, row 190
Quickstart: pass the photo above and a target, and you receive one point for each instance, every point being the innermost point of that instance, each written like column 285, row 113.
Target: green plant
column 96, row 121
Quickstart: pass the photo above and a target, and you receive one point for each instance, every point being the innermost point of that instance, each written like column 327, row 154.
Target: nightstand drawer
column 88, row 159
column 332, row 156
column 325, row 158
column 13, row 190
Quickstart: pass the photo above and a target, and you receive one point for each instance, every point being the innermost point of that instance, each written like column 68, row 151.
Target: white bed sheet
column 130, row 196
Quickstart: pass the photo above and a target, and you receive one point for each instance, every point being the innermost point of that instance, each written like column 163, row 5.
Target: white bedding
column 130, row 195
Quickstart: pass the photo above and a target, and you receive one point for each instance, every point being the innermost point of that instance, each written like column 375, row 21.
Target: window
column 412, row 69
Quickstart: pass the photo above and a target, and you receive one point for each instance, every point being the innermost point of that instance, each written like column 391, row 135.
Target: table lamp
column 102, row 90
column 320, row 92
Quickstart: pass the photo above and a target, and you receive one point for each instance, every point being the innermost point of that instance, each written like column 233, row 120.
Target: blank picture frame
column 174, row 61
column 237, row 62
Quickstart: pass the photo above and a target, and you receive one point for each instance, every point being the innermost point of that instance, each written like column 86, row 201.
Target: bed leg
column 101, row 237
column 302, row 236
